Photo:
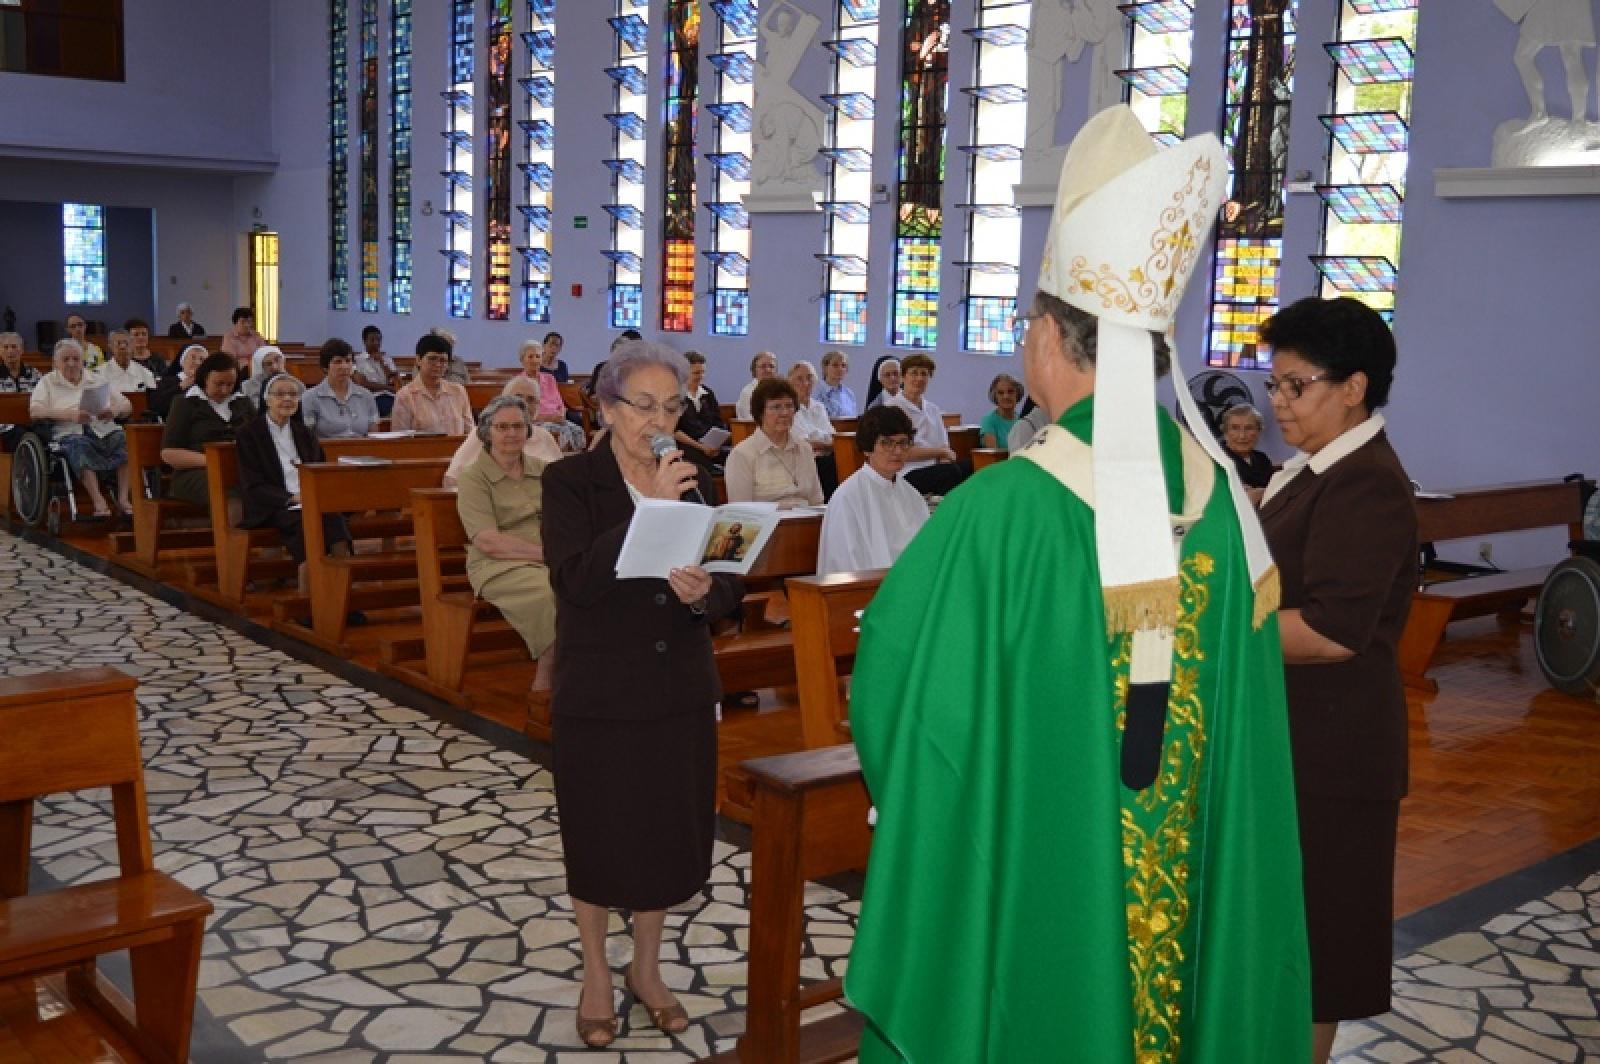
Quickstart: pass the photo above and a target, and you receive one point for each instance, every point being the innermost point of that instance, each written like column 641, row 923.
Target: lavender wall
column 31, row 270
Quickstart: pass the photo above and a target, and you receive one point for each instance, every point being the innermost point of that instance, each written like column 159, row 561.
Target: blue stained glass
column 536, row 302
column 1370, row 132
column 997, row 93
column 856, row 160
column 545, row 9
column 1162, row 16
column 629, row 170
column 539, row 130
column 458, row 296
column 730, row 262
column 628, row 123
column 995, row 153
column 459, row 178
column 1375, row 62
column 916, row 320
column 988, row 324
column 460, row 99
column 627, row 306
column 999, row 269
column 1003, row 36
column 1357, row 273
column 537, row 214
column 854, row 213
column 459, row 139
column 626, row 213
column 539, row 173
column 737, row 15
column 732, row 215
column 542, row 45
column 627, row 260
column 1363, row 204
column 857, row 105
column 739, row 67
column 862, row 10
column 1376, row 7
column 459, row 219
column 857, row 51
column 844, row 318
column 541, row 88
column 634, row 30
column 458, row 259
column 1170, row 80
column 629, row 77
column 1166, row 138
column 735, row 115
column 731, row 312
column 733, row 163
column 538, row 258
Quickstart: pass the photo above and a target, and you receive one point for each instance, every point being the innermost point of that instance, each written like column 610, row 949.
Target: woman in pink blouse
column 430, row 403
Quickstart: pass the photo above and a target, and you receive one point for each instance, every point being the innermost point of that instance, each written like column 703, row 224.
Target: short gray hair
column 1241, row 407
column 1080, row 333
column 805, row 365
column 4, row 336
column 636, row 355
column 493, row 407
column 111, row 337
column 185, row 306
column 522, row 349
column 66, row 343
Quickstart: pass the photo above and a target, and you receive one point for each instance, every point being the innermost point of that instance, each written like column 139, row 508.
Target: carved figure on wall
column 788, row 127
column 1059, row 31
column 1543, row 139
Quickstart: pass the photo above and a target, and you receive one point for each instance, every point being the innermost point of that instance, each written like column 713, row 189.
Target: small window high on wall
column 400, row 157
column 849, row 154
column 83, row 253
column 924, row 81
column 734, row 90
column 538, row 166
column 1160, row 38
column 459, row 163
column 677, row 149
column 78, row 40
column 630, row 80
column 338, row 155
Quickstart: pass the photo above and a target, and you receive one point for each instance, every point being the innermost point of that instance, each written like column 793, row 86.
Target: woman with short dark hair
column 1342, row 523
column 241, row 340
column 931, row 465
column 338, row 406
column 774, row 464
column 875, row 513
column 209, row 412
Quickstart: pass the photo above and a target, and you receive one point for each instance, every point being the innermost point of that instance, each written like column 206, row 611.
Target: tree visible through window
column 83, row 252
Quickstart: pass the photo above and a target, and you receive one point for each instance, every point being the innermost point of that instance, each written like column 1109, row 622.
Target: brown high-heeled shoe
column 669, row 1019
column 596, row 1033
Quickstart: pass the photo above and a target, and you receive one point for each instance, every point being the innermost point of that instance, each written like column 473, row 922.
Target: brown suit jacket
column 1345, row 542
column 625, row 649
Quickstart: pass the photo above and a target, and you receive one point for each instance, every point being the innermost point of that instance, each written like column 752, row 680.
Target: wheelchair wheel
column 1566, row 627
column 30, row 480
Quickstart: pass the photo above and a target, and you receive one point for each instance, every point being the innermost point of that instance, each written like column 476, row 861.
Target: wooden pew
column 846, row 457
column 573, row 398
column 963, row 441
column 479, row 393
column 74, row 731
column 845, row 424
column 13, row 411
column 307, row 370
column 1468, row 513
column 810, row 822
column 740, row 430
column 824, row 614
column 151, row 507
column 332, row 487
column 729, row 412
column 396, row 449
column 983, row 457
column 169, row 348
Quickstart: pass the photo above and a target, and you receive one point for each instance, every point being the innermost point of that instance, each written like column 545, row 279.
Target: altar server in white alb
column 875, row 512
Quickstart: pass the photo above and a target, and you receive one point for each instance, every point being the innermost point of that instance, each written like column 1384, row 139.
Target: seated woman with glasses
column 932, row 466
column 774, row 464
column 430, row 403
column 875, row 512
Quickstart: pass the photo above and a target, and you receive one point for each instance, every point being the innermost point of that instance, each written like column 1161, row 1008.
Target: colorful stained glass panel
column 1161, row 16
column 988, row 325
column 627, row 305
column 1157, row 81
column 1357, row 273
column 845, row 320
column 1373, row 204
column 1375, row 62
column 1369, row 133
column 731, row 312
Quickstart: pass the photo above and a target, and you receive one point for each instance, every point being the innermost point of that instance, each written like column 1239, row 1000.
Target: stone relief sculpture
column 1060, row 31
column 1544, row 139
column 788, row 129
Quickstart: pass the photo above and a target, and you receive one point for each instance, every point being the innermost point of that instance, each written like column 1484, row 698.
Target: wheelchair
column 41, row 482
column 1566, row 620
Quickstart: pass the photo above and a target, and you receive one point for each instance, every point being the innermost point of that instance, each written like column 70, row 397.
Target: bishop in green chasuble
column 1022, row 904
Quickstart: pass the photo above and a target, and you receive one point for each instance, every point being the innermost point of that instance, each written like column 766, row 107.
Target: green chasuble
column 1022, row 906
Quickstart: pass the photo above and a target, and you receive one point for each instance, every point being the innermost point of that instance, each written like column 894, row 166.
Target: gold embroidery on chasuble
column 1156, row 827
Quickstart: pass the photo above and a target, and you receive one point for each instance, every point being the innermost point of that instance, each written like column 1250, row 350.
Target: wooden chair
column 963, row 441
column 824, row 615
column 845, row 424
column 73, row 731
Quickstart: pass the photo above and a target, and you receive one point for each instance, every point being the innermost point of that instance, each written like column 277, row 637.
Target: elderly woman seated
column 265, row 363
column 875, row 512
column 338, row 405
column 1241, row 430
column 81, row 422
column 540, row 446
column 272, row 448
column 209, row 412
column 774, row 464
column 539, row 387
column 500, row 499
column 177, row 380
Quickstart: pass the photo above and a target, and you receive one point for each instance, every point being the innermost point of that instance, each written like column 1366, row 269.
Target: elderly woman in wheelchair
column 78, row 410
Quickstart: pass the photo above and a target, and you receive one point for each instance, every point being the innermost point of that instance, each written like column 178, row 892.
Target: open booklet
column 665, row 535
column 94, row 398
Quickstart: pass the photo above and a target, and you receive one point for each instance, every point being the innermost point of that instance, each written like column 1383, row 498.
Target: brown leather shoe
column 596, row 1033
column 670, row 1019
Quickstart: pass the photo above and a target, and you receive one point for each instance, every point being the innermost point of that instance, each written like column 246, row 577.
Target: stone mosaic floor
column 388, row 887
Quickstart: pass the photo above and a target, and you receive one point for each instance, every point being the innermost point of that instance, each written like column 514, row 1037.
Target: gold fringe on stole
column 1151, row 604
column 1269, row 595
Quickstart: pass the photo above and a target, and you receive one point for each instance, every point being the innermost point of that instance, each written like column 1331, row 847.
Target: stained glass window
column 83, row 252
column 539, row 149
column 497, row 177
column 994, row 226
column 1255, row 133
column 924, row 78
column 730, row 224
column 338, row 155
column 849, row 188
column 677, row 148
column 459, row 163
column 1161, row 34
column 1369, row 137
column 629, row 79
column 400, row 156
column 368, row 97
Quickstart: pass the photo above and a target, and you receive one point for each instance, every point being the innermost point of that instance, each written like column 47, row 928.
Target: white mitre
column 1126, row 233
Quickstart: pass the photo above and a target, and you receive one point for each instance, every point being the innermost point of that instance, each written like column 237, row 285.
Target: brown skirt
column 1347, row 849
column 637, row 801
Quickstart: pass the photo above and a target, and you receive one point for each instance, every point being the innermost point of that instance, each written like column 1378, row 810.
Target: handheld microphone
column 662, row 445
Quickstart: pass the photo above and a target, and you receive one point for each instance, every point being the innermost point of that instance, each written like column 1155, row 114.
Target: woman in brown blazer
column 1343, row 529
column 635, row 689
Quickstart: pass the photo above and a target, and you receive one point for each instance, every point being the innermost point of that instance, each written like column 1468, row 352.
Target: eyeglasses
column 649, row 404
column 781, row 406
column 1294, row 387
column 894, row 443
column 1019, row 327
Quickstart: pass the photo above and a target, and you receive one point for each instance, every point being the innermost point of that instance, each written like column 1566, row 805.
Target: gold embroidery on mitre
column 1156, row 830
column 1150, row 290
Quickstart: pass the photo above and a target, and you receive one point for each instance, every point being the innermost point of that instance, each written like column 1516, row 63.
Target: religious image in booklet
column 666, row 535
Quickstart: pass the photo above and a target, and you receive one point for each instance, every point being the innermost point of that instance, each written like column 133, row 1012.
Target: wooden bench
column 74, row 731
column 846, row 457
column 810, row 821
column 983, row 457
column 740, row 430
column 1468, row 513
column 334, row 488
column 13, row 411
column 572, row 398
column 824, row 616
column 396, row 449
column 152, row 509
column 479, row 394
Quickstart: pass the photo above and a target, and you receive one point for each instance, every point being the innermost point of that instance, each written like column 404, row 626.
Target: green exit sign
column 580, row 221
